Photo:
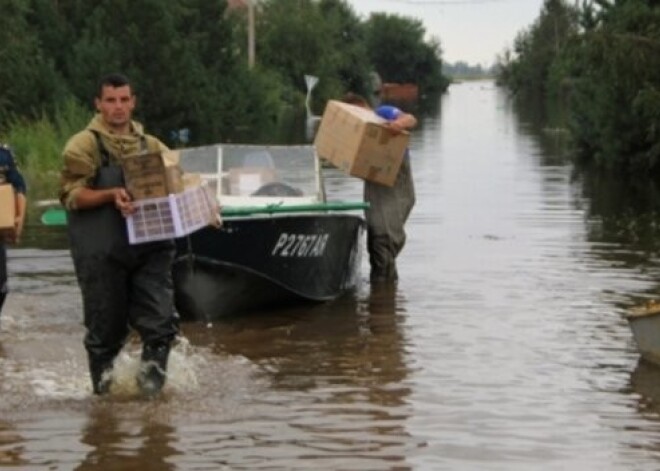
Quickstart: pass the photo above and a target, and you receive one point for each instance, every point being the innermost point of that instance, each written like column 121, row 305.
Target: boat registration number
column 300, row 245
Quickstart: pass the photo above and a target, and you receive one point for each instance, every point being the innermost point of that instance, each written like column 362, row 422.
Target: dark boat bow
column 267, row 261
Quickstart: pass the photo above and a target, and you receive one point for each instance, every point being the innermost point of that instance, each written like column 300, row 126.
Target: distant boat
column 399, row 92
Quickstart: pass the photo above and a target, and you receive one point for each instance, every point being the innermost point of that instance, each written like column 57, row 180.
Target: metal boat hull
column 266, row 261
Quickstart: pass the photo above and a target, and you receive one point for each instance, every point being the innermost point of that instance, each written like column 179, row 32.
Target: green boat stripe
column 57, row 216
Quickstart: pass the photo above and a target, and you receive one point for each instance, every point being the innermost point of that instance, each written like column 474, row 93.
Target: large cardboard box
column 7, row 207
column 153, row 175
column 172, row 216
column 355, row 140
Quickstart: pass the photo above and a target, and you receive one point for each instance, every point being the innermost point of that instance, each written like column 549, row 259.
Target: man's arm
column 87, row 198
column 403, row 122
column 80, row 166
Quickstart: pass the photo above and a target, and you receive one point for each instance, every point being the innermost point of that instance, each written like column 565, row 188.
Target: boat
column 644, row 321
column 281, row 241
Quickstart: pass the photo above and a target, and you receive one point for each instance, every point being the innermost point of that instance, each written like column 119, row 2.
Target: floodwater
column 503, row 346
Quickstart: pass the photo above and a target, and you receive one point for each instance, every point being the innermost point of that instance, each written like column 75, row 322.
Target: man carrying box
column 389, row 207
column 122, row 285
column 11, row 177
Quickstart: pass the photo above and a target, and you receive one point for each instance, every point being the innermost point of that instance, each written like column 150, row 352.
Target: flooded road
column 503, row 346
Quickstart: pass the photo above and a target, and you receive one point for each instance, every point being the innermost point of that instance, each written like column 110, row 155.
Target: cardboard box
column 7, row 207
column 191, row 180
column 153, row 175
column 172, row 216
column 246, row 180
column 354, row 140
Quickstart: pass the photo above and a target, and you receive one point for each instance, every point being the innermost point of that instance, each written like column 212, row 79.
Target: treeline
column 188, row 59
column 602, row 57
column 463, row 70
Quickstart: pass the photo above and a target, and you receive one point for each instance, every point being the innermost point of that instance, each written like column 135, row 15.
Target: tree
column 187, row 59
column 615, row 85
column 294, row 40
column 28, row 79
column 180, row 55
column 536, row 48
column 349, row 51
column 399, row 53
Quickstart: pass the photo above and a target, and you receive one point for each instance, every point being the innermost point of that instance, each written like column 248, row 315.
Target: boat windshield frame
column 257, row 175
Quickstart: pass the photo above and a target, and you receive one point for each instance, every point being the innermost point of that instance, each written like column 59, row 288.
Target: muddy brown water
column 503, row 346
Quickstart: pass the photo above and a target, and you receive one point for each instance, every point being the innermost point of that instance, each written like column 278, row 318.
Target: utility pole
column 250, row 8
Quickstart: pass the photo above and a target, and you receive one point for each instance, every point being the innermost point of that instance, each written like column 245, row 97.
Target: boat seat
column 277, row 189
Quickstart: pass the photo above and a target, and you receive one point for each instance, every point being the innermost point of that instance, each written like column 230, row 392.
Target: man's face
column 116, row 106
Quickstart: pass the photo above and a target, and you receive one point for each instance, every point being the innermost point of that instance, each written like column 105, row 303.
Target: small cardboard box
column 7, row 207
column 153, row 175
column 191, row 180
column 246, row 180
column 175, row 215
column 355, row 140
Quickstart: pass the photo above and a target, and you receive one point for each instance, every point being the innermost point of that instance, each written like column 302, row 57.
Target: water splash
column 182, row 370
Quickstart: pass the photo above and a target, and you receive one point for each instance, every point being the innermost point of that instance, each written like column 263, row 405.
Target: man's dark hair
column 114, row 80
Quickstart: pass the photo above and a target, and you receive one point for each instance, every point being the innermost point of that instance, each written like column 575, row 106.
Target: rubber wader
column 389, row 208
column 122, row 285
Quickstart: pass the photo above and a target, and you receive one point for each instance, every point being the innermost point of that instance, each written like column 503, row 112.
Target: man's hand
column 18, row 229
column 123, row 202
column 404, row 122
column 216, row 221
column 13, row 235
column 395, row 127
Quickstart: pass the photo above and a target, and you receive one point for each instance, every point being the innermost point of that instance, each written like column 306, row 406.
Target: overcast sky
column 474, row 31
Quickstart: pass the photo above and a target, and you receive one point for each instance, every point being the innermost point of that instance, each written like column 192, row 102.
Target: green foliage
column 399, row 53
column 305, row 37
column 535, row 49
column 605, row 63
column 348, row 52
column 615, row 76
column 647, row 106
column 177, row 80
column 27, row 75
column 38, row 143
column 187, row 62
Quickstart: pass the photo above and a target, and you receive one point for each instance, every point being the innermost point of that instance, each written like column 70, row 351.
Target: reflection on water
column 645, row 383
column 336, row 377
column 105, row 433
column 503, row 346
column 645, row 389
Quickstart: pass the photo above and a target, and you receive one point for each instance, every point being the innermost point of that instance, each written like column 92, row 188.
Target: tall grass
column 37, row 146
